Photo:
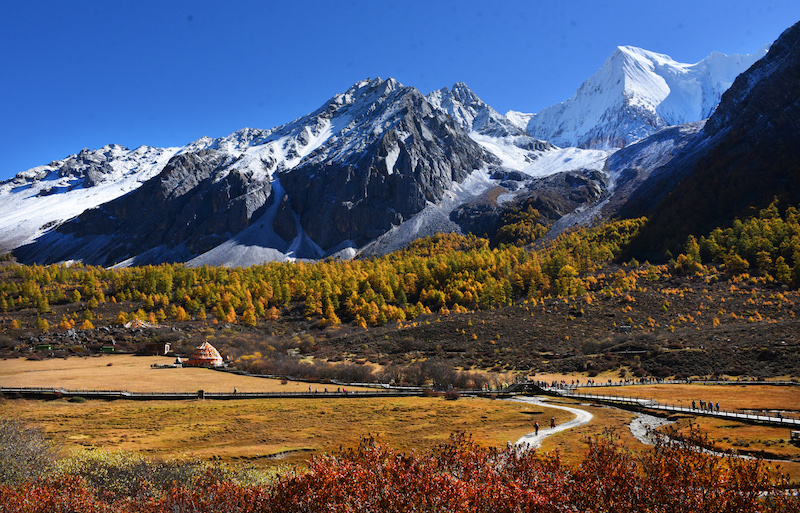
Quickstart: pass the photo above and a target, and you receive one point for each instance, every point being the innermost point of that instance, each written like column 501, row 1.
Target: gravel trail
column 534, row 441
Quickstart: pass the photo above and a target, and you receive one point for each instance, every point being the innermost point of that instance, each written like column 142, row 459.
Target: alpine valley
column 382, row 164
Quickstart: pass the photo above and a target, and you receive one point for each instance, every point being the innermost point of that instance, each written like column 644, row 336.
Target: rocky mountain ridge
column 374, row 167
column 369, row 159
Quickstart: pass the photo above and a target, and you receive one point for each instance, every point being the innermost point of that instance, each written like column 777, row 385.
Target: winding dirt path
column 534, row 441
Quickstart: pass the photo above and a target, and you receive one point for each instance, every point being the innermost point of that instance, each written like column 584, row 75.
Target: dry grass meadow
column 256, row 432
column 131, row 373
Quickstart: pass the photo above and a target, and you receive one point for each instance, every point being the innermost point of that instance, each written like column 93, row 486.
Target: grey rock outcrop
column 93, row 166
column 196, row 202
column 552, row 196
column 357, row 198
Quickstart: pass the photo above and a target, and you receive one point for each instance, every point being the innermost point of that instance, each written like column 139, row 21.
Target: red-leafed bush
column 458, row 476
column 69, row 494
column 212, row 495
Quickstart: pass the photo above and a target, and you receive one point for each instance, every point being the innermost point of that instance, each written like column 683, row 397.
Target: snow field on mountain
column 29, row 208
column 545, row 163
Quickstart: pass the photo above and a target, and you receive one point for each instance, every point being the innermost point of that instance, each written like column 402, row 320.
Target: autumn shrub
column 25, row 452
column 677, row 476
column 120, row 474
column 212, row 495
column 456, row 476
column 452, row 395
column 71, row 493
column 65, row 494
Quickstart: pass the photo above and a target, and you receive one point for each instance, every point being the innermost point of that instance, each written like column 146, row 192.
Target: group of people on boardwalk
column 564, row 384
column 339, row 390
column 707, row 406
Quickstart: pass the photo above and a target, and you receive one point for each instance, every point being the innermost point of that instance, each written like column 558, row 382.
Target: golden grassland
column 769, row 442
column 252, row 430
column 572, row 443
column 255, row 431
column 134, row 374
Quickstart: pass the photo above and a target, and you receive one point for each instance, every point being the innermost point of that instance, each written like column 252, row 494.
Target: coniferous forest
column 561, row 302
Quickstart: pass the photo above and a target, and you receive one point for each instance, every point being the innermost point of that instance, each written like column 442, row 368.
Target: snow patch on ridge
column 391, row 158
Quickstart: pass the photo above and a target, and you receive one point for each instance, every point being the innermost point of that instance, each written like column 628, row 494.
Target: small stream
column 642, row 429
column 643, row 425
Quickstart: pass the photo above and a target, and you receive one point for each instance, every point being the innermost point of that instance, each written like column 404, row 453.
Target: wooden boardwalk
column 673, row 408
column 519, row 388
column 50, row 393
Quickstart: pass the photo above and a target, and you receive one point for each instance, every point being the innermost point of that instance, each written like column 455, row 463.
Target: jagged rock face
column 90, row 166
column 195, row 201
column 765, row 98
column 562, row 193
column 483, row 215
column 285, row 224
column 363, row 195
column 203, row 207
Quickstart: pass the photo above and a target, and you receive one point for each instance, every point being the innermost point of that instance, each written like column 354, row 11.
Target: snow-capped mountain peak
column 365, row 89
column 634, row 94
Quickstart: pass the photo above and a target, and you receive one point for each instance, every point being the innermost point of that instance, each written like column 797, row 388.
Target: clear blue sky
column 87, row 73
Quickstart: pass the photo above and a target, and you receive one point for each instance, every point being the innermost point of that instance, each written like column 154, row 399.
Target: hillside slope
column 747, row 154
